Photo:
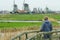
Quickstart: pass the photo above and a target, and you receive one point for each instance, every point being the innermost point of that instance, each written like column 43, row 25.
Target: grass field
column 28, row 16
column 23, row 24
column 18, row 24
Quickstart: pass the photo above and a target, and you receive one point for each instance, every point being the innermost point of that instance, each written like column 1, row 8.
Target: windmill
column 25, row 6
column 15, row 8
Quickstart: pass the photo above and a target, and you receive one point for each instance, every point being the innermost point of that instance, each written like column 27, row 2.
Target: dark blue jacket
column 47, row 26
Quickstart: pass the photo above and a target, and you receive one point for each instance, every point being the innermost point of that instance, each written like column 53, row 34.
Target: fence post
column 19, row 38
column 26, row 35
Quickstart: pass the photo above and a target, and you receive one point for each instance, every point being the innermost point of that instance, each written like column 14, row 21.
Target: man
column 46, row 27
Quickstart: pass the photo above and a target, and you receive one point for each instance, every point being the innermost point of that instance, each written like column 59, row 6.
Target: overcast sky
column 51, row 4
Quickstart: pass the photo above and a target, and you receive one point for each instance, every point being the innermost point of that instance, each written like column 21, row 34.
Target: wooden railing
column 37, row 35
column 24, row 33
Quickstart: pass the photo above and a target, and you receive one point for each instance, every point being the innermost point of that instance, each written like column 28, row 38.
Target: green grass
column 28, row 16
column 18, row 24
column 22, row 24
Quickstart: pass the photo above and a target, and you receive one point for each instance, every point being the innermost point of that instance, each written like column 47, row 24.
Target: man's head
column 46, row 18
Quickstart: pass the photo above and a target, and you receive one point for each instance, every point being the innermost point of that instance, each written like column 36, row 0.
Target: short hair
column 46, row 18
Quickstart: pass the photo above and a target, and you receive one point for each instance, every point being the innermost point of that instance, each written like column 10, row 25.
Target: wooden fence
column 55, row 35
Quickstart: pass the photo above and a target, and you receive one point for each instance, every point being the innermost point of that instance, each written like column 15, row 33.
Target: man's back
column 47, row 26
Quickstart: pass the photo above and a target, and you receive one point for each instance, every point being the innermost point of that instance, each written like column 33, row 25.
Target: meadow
column 22, row 24
column 27, row 17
